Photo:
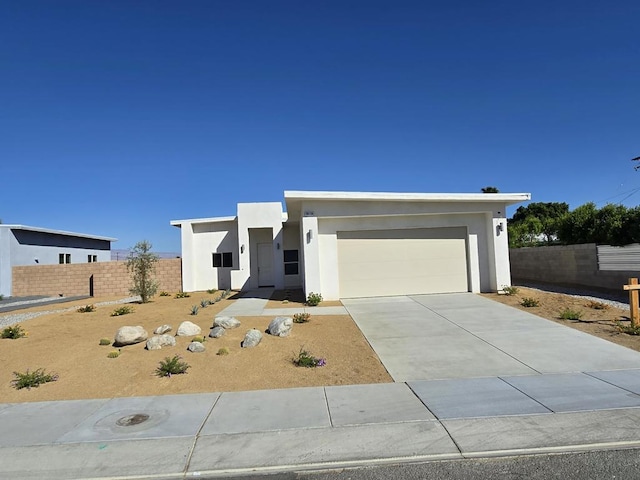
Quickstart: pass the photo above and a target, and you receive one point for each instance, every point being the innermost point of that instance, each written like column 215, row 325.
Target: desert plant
column 529, row 302
column 164, row 294
column 1, row 297
column 194, row 309
column 105, row 341
column 33, row 379
column 13, row 332
column 113, row 354
column 597, row 305
column 182, row 295
column 305, row 359
column 301, row 317
column 199, row 339
column 628, row 329
column 87, row 309
column 204, row 303
column 211, row 291
column 124, row 310
column 568, row 314
column 171, row 366
column 141, row 262
column 510, row 290
column 313, row 299
column 223, row 351
column 225, row 294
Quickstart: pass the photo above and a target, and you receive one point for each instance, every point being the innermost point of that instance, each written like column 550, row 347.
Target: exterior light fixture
column 242, row 248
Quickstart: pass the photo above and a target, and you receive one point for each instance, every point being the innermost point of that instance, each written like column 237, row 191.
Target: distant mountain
column 121, row 255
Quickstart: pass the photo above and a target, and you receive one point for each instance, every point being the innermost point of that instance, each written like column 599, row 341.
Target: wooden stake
column 633, row 301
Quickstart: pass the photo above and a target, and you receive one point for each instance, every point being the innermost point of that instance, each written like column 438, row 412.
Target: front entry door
column 265, row 265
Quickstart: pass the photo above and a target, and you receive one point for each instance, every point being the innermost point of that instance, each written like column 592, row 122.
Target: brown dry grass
column 600, row 323
column 67, row 343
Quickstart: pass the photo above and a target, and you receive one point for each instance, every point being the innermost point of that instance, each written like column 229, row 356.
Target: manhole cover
column 131, row 420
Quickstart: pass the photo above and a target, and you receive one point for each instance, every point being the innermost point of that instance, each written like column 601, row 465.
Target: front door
column 265, row 265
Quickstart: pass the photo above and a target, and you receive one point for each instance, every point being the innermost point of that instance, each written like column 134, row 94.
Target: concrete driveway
column 429, row 337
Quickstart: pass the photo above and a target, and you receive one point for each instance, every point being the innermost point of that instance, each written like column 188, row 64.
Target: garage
column 402, row 262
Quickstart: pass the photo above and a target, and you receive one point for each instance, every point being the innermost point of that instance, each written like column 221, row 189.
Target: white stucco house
column 23, row 245
column 354, row 244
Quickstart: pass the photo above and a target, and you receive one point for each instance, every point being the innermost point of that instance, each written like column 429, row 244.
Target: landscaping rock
column 226, row 322
column 188, row 329
column 217, row 332
column 162, row 330
column 129, row 335
column 252, row 338
column 280, row 326
column 159, row 341
column 196, row 347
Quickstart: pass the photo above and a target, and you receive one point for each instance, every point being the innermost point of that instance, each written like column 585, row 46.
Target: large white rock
column 252, row 338
column 159, row 341
column 217, row 332
column 226, row 322
column 280, row 326
column 188, row 329
column 196, row 347
column 130, row 335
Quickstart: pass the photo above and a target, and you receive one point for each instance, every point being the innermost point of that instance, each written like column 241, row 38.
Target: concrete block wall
column 109, row 278
column 566, row 265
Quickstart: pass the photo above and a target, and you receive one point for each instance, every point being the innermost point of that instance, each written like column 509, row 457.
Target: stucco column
column 309, row 227
column 502, row 276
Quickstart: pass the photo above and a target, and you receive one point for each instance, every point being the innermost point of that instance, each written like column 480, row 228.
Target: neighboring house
column 354, row 244
column 22, row 245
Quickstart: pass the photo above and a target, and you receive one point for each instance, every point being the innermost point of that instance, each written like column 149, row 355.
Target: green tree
column 579, row 226
column 141, row 263
column 490, row 190
column 548, row 215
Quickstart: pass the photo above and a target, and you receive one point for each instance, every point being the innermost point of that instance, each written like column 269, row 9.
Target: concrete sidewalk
column 217, row 435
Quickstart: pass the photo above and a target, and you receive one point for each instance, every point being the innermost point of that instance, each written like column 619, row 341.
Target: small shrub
column 13, row 332
column 313, row 299
column 225, row 294
column 124, row 310
column 33, row 379
column 105, row 341
column 529, row 302
column 194, row 309
column 510, row 290
column 223, row 351
column 182, row 295
column 305, row 359
column 628, row 329
column 87, row 309
column 1, row 297
column 597, row 305
column 301, row 317
column 204, row 303
column 568, row 314
column 211, row 291
column 171, row 366
column 113, row 354
column 164, row 294
column 199, row 339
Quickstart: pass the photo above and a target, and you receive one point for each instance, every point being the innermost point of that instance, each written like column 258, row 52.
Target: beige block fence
column 99, row 279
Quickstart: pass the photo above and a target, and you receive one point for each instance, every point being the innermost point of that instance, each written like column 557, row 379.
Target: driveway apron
column 429, row 337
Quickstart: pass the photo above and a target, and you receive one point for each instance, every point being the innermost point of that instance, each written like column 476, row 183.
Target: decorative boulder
column 217, row 332
column 162, row 330
column 129, row 336
column 226, row 322
column 159, row 341
column 252, row 338
column 188, row 329
column 196, row 347
column 280, row 326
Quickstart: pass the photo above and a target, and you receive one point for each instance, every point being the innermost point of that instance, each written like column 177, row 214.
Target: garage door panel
column 376, row 266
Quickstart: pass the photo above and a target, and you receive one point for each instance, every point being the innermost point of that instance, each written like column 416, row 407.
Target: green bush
column 1, row 297
column 199, row 339
column 568, row 314
column 211, row 291
column 313, row 299
column 529, row 302
column 164, row 294
column 305, row 359
column 87, row 309
column 597, row 305
column 105, row 341
column 301, row 317
column 628, row 329
column 171, row 366
column 33, row 379
column 510, row 290
column 13, row 332
column 223, row 351
column 124, row 310
column 194, row 309
column 204, row 303
column 225, row 294
column 113, row 354
column 182, row 295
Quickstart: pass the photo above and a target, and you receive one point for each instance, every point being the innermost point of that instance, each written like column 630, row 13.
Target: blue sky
column 117, row 117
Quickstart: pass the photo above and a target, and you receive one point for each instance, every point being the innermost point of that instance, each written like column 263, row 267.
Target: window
column 224, row 260
column 92, row 258
column 64, row 258
column 291, row 262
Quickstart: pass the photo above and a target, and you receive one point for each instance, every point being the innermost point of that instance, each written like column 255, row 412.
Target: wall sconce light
column 309, row 236
column 278, row 246
column 242, row 248
column 500, row 227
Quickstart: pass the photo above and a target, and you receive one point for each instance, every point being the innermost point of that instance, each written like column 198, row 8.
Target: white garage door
column 402, row 262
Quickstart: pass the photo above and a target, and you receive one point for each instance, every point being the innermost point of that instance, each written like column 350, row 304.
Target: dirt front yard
column 67, row 343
